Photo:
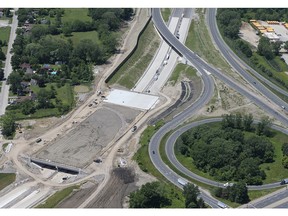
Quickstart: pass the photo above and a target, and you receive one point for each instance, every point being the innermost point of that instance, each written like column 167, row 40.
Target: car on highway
column 153, row 152
column 134, row 128
column 283, row 107
column 284, row 181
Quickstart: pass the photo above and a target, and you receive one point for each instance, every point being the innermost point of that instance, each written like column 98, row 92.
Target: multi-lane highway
column 199, row 64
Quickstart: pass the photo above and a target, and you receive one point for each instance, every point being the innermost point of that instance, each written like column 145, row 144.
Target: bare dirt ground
column 122, row 182
column 248, row 34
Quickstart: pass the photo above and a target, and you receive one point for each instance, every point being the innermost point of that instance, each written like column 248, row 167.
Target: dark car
column 134, row 128
column 38, row 140
column 153, row 152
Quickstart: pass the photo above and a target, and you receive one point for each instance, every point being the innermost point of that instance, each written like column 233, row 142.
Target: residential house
column 27, row 68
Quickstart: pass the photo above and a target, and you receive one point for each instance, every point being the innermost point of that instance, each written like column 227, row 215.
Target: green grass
column 4, row 146
column 56, row 198
column 4, row 36
column 77, row 36
column 186, row 70
column 166, row 12
column 6, row 179
column 71, row 14
column 135, row 66
column 275, row 171
column 200, row 42
column 259, row 193
column 64, row 93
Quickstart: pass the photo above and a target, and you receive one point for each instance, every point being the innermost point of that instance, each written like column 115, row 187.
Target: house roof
column 25, row 65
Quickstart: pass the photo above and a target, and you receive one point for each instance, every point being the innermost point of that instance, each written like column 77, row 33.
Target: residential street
column 8, row 67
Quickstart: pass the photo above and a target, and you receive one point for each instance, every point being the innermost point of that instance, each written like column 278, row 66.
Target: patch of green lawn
column 131, row 71
column 71, row 14
column 56, row 198
column 166, row 12
column 77, row 36
column 4, row 36
column 186, row 70
column 6, row 179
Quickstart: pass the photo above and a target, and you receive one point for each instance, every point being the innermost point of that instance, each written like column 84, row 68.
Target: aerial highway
column 169, row 148
column 233, row 59
column 199, row 64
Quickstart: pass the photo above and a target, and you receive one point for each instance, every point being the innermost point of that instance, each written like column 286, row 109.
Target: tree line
column 157, row 195
column 229, row 22
column 226, row 153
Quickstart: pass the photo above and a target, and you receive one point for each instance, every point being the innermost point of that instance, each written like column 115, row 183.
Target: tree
column 27, row 107
column 263, row 127
column 8, row 125
column 14, row 80
column 2, row 55
column 151, row 195
column 238, row 193
column 247, row 122
column 265, row 49
column 43, row 98
column 285, row 161
column 1, row 74
column 285, row 149
column 191, row 193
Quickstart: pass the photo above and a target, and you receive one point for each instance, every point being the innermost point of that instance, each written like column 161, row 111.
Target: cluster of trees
column 237, row 193
column 267, row 49
column 8, row 125
column 226, row 153
column 279, row 14
column 156, row 195
column 191, row 193
column 285, row 155
column 150, row 195
column 40, row 47
column 228, row 25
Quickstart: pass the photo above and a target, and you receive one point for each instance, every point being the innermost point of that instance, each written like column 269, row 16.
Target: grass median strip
column 135, row 66
column 6, row 179
column 56, row 198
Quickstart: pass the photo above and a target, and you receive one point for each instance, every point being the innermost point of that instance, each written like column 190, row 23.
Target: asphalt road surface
column 8, row 67
column 199, row 64
column 169, row 148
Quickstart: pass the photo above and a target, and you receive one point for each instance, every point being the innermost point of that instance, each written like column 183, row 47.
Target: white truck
column 222, row 205
column 284, row 181
column 182, row 182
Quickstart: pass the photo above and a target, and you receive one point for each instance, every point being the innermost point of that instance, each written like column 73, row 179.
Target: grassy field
column 183, row 69
column 4, row 146
column 6, row 179
column 56, row 198
column 64, row 93
column 4, row 36
column 71, row 14
column 77, row 36
column 199, row 41
column 166, row 12
column 135, row 66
